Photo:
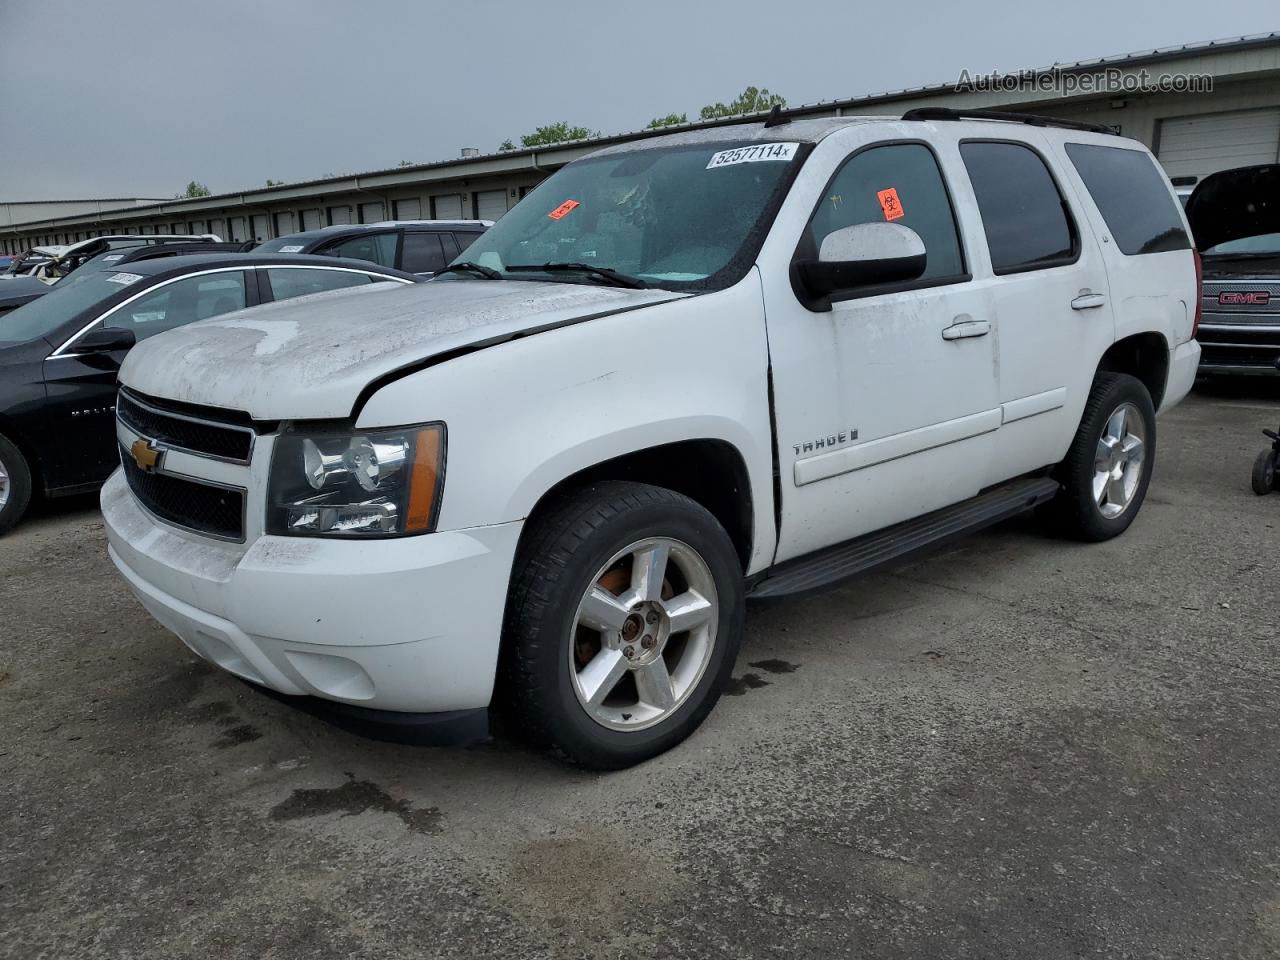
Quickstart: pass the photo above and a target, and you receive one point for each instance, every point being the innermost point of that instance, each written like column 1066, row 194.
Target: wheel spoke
column 653, row 683
column 1115, row 491
column 602, row 611
column 648, row 569
column 1134, row 449
column 598, row 678
column 1118, row 425
column 1100, row 486
column 687, row 611
column 1102, row 458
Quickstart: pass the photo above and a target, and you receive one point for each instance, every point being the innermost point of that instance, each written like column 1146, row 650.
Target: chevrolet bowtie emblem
column 145, row 455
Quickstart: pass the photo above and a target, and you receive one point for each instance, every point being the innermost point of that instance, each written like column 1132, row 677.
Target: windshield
column 1266, row 244
column 64, row 300
column 682, row 217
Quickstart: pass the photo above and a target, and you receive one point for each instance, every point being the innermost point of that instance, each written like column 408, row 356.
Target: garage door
column 408, row 209
column 1199, row 146
column 448, row 207
column 490, row 204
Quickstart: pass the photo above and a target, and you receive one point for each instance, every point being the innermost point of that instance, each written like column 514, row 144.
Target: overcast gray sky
column 136, row 97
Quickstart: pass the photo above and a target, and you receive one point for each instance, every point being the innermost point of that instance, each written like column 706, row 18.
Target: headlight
column 349, row 484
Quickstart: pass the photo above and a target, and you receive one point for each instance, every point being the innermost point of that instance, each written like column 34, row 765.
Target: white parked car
column 740, row 362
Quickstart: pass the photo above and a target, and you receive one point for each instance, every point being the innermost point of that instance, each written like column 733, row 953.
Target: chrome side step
column 894, row 544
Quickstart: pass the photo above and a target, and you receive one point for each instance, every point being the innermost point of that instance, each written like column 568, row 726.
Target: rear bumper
column 1184, row 360
column 409, row 625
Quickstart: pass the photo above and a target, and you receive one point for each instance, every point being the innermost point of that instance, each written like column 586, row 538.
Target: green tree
column 670, row 120
column 274, row 183
column 751, row 100
column 552, row 133
column 194, row 189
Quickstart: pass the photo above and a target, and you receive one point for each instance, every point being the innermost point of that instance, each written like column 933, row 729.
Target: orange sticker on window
column 563, row 210
column 890, row 203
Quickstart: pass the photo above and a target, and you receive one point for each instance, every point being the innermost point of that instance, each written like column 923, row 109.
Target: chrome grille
column 199, row 433
column 1243, row 314
column 199, row 506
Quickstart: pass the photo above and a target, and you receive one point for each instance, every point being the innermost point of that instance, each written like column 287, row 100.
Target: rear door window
column 1023, row 214
column 289, row 282
column 1132, row 197
column 377, row 248
column 422, row 252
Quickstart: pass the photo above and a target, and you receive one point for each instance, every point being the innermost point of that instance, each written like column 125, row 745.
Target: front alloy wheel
column 643, row 634
column 15, row 484
column 623, row 623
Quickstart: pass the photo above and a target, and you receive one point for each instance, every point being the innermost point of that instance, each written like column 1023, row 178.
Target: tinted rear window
column 422, row 253
column 1023, row 215
column 1131, row 196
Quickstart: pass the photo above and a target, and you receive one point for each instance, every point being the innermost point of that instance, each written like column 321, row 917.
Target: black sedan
column 417, row 246
column 60, row 354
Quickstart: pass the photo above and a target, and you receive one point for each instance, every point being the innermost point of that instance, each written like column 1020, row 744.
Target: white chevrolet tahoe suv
column 744, row 361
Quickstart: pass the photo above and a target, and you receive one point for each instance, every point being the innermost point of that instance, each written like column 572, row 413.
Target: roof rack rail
column 947, row 113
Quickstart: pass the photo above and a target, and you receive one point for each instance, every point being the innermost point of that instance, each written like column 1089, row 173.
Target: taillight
column 1195, row 324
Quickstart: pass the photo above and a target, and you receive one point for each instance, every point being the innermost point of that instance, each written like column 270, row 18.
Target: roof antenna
column 775, row 118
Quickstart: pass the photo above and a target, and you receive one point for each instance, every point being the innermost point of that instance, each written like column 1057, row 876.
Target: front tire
column 623, row 623
column 1108, row 466
column 15, row 484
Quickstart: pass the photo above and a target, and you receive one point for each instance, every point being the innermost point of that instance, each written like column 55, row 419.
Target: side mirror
column 860, row 256
column 105, row 340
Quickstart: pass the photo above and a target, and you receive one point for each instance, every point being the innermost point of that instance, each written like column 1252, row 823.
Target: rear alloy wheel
column 1119, row 461
column 623, row 623
column 15, row 484
column 1108, row 466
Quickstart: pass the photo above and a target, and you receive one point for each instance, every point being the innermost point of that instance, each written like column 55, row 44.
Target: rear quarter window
column 1132, row 197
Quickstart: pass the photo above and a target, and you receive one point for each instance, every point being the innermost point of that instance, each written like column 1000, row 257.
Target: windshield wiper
column 466, row 266
column 615, row 277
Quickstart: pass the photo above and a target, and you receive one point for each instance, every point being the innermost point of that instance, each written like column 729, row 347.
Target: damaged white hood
column 310, row 358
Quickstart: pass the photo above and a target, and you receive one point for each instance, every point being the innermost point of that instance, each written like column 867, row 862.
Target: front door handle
column 1088, row 301
column 969, row 328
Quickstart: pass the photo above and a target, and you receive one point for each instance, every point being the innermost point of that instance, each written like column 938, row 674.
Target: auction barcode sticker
column 753, row 154
column 292, row 248
column 125, row 278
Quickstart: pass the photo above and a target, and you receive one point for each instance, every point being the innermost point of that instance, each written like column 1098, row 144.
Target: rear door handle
column 1088, row 301
column 969, row 328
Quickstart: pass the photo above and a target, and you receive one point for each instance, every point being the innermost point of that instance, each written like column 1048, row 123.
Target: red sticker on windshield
column 563, row 210
column 890, row 203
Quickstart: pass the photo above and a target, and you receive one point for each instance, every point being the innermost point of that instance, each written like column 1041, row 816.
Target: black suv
column 60, row 354
column 420, row 247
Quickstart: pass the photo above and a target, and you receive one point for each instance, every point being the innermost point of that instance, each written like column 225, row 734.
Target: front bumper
column 404, row 625
column 1239, row 349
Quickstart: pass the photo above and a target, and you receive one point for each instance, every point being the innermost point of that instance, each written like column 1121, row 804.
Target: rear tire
column 1108, row 467
column 15, row 484
column 1264, row 473
column 623, row 623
